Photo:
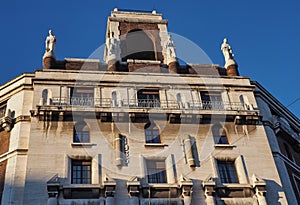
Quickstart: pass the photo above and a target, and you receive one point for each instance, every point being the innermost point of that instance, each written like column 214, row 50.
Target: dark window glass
column 148, row 98
column 81, row 96
column 211, row 100
column 227, row 172
column 81, row 136
column 219, row 134
column 156, row 170
column 81, row 172
column 152, row 133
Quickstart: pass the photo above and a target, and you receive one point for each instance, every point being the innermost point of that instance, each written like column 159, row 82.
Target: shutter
column 170, row 168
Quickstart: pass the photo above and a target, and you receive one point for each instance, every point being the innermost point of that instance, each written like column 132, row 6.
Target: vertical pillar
column 134, row 200
column 261, row 198
column 187, row 200
column 110, row 200
column 210, row 200
column 52, row 201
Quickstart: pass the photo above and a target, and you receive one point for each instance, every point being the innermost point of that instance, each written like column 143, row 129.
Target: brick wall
column 4, row 139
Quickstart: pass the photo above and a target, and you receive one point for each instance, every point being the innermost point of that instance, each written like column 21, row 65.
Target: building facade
column 139, row 128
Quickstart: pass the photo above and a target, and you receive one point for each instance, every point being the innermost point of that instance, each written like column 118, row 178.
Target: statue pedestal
column 232, row 70
column 48, row 62
column 173, row 67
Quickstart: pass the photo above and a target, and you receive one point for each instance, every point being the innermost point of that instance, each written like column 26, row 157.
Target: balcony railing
column 142, row 103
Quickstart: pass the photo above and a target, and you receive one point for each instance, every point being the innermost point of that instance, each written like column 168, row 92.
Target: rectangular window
column 148, row 98
column 152, row 136
column 227, row 172
column 2, row 109
column 81, row 172
column 211, row 100
column 156, row 171
column 81, row 136
column 82, row 96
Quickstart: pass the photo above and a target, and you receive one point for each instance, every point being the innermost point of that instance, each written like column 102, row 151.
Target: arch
column 152, row 133
column 46, row 97
column 138, row 45
column 114, row 98
column 220, row 134
column 81, row 133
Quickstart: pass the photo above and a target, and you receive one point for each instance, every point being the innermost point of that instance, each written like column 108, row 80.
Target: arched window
column 219, row 134
column 45, row 96
column 137, row 46
column 152, row 133
column 81, row 133
column 114, row 98
column 179, row 100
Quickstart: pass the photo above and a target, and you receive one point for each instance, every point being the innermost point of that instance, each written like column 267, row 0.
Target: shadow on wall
column 273, row 190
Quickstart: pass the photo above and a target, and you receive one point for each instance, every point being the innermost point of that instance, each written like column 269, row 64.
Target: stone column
column 210, row 200
column 187, row 200
column 52, row 201
column 134, row 200
column 261, row 198
column 110, row 200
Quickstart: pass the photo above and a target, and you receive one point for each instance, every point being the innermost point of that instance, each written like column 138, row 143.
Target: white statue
column 112, row 46
column 50, row 45
column 170, row 48
column 227, row 52
column 50, row 42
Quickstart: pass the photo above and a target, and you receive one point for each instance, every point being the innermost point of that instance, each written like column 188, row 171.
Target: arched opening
column 219, row 134
column 152, row 133
column 114, row 98
column 137, row 46
column 81, row 133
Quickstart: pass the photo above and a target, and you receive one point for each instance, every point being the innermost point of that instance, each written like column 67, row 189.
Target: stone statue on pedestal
column 112, row 47
column 50, row 45
column 170, row 49
column 227, row 52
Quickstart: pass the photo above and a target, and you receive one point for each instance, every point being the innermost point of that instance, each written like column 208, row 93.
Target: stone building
column 140, row 128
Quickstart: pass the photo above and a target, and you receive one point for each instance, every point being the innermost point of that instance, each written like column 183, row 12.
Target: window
column 81, row 133
column 219, row 134
column 152, row 133
column 82, row 96
column 156, row 171
column 227, row 171
column 148, row 98
column 81, row 172
column 211, row 100
column 2, row 109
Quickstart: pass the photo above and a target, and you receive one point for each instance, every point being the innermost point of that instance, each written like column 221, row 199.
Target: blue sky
column 264, row 35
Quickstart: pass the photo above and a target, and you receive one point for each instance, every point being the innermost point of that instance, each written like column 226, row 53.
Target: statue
column 50, row 45
column 227, row 52
column 170, row 47
column 112, row 47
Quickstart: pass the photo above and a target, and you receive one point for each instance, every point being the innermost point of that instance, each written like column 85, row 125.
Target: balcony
column 144, row 106
column 142, row 103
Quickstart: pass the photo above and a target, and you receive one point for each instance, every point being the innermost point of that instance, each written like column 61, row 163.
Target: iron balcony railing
column 143, row 103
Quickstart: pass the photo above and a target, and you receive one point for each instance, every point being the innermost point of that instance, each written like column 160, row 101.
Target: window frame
column 81, row 164
column 227, row 172
column 152, row 133
column 156, row 175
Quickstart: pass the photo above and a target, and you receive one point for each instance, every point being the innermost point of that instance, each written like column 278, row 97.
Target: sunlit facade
column 139, row 128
